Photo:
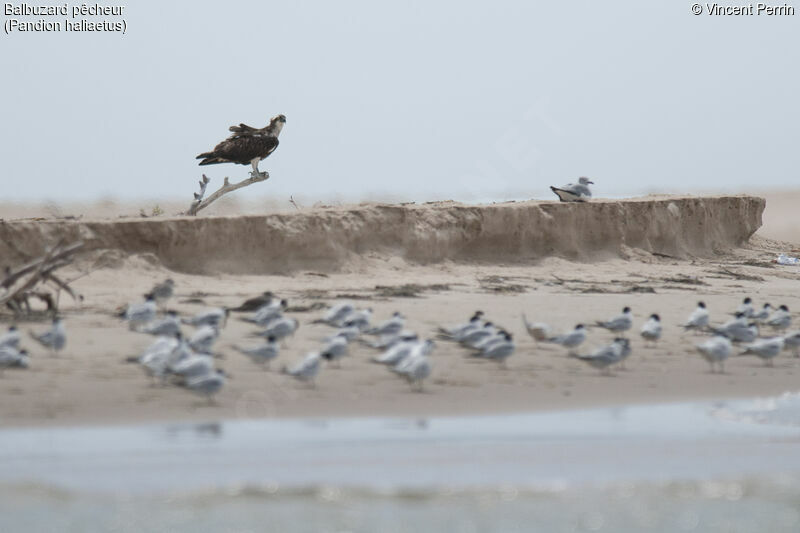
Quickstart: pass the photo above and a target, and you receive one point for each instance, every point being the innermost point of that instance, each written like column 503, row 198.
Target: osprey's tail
column 210, row 158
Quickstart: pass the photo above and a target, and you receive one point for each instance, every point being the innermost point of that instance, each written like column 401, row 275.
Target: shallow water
column 732, row 466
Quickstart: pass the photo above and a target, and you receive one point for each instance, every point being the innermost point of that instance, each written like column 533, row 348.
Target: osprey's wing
column 242, row 128
column 244, row 149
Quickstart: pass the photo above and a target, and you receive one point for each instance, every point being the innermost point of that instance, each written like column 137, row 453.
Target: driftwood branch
column 12, row 275
column 199, row 203
column 20, row 283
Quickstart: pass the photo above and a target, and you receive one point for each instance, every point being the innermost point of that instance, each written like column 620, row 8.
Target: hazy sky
column 420, row 99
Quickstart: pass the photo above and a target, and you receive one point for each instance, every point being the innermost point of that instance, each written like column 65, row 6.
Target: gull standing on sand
column 715, row 351
column 262, row 353
column 570, row 340
column 780, row 319
column 336, row 315
column 216, row 317
column 139, row 314
column 766, row 349
column 54, row 338
column 698, row 320
column 604, row 357
column 538, row 331
column 618, row 324
column 306, row 370
column 11, row 338
column 651, row 331
column 574, row 192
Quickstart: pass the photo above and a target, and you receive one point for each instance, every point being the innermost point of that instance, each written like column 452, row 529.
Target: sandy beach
column 90, row 382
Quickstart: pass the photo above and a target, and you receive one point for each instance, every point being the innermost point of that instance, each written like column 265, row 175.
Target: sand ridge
column 332, row 239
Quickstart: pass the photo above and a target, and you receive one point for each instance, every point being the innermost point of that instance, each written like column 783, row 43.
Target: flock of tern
column 189, row 360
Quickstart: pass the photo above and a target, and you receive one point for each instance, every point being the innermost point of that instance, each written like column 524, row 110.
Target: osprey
column 574, row 192
column 247, row 145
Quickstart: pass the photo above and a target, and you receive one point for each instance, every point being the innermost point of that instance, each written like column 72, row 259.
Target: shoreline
column 420, row 420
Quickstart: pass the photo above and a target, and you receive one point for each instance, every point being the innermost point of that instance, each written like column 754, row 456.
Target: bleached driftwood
column 19, row 284
column 199, row 203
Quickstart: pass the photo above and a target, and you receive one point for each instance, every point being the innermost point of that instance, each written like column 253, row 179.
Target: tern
column 262, row 353
column 792, row 340
column 392, row 326
column 715, row 351
column 396, row 353
column 54, row 338
column 766, row 349
column 280, row 328
column 455, row 332
column 746, row 307
column 618, row 324
column 335, row 349
column 139, row 314
column 11, row 338
column 336, row 315
column 207, row 385
column 306, row 370
column 780, row 319
column 169, row 325
column 572, row 339
column 10, row 357
column 216, row 317
column 203, row 338
column 651, row 330
column 604, row 357
column 698, row 320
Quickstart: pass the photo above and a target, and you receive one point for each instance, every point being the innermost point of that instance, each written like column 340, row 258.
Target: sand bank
column 328, row 239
